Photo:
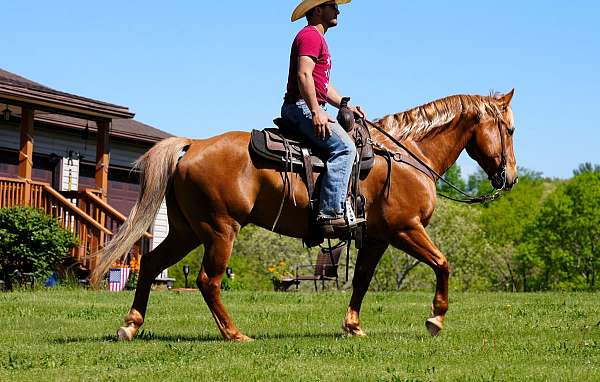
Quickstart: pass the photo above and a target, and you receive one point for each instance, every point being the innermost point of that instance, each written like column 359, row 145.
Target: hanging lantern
column 6, row 112
column 86, row 132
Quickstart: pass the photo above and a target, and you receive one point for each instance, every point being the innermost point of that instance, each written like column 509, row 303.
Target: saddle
column 285, row 146
column 291, row 152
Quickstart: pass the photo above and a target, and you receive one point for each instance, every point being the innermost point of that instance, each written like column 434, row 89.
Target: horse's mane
column 421, row 121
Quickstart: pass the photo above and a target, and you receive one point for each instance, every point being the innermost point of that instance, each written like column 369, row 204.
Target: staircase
column 83, row 213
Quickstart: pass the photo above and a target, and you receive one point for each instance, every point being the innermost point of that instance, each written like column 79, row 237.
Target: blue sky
column 198, row 69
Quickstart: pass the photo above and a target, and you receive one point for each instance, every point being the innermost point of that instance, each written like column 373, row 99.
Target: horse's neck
column 443, row 148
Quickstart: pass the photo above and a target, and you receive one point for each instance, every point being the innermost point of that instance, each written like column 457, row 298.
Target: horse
column 218, row 186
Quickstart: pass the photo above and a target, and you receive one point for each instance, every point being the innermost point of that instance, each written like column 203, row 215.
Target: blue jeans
column 341, row 150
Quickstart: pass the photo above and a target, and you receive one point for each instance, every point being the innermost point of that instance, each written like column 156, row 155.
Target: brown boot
column 332, row 227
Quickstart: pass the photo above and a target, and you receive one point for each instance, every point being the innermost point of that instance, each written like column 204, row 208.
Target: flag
column 117, row 279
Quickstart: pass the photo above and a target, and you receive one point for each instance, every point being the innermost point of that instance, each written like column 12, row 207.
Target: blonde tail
column 156, row 168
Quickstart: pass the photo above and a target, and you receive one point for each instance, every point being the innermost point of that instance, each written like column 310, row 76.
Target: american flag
column 117, row 279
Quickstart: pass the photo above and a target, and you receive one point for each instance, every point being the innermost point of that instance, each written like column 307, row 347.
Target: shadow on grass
column 147, row 336
column 143, row 337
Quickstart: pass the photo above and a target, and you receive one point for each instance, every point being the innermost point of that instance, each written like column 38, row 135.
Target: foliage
column 561, row 248
column 496, row 246
column 192, row 260
column 68, row 335
column 280, row 270
column 586, row 167
column 452, row 175
column 259, row 249
column 31, row 241
column 504, row 223
column 132, row 280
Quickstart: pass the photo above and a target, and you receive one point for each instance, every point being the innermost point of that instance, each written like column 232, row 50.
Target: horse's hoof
column 124, row 334
column 353, row 331
column 240, row 338
column 434, row 326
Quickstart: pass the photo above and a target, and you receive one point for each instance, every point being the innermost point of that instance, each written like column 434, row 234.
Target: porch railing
column 86, row 215
column 106, row 215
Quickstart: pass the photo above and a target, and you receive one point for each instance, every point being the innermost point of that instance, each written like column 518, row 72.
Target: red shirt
column 309, row 42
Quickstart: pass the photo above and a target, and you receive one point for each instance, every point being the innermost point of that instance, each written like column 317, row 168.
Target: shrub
column 31, row 241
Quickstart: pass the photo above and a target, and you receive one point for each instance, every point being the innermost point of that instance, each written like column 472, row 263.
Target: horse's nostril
column 516, row 180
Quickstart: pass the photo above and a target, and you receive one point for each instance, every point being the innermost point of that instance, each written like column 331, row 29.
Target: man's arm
column 335, row 99
column 306, row 85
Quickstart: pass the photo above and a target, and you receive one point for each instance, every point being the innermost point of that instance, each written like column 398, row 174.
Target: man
column 308, row 91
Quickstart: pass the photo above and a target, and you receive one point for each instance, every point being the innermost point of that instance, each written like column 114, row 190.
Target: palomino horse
column 218, row 187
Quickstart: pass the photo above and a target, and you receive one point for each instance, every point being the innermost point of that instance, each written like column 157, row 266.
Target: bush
column 31, row 241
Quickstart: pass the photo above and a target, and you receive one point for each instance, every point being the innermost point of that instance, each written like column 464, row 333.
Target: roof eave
column 61, row 102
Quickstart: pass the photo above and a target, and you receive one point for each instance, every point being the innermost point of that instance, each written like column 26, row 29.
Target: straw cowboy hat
column 307, row 5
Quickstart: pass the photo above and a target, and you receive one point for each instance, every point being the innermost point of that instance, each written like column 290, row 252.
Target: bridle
column 497, row 179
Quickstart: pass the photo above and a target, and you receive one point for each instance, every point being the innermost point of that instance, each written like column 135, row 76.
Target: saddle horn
column 345, row 116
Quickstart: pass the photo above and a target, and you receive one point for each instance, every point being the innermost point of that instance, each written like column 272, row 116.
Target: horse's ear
column 506, row 98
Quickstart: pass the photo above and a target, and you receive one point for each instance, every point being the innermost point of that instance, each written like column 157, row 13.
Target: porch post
column 102, row 157
column 26, row 151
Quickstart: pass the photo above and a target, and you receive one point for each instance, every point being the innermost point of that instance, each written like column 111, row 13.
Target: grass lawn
column 68, row 335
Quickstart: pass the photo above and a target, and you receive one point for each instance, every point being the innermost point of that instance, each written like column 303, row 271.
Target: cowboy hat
column 307, row 5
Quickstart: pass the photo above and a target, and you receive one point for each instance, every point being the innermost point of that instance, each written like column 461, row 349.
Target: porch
column 84, row 212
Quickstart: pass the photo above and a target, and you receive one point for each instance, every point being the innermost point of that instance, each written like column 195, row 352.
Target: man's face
column 329, row 12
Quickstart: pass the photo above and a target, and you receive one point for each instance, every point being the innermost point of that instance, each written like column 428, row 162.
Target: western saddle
column 292, row 153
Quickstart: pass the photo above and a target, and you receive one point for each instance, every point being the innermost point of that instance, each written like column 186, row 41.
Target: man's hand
column 359, row 112
column 321, row 121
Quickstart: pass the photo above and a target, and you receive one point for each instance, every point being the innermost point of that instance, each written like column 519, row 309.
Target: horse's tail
column 156, row 169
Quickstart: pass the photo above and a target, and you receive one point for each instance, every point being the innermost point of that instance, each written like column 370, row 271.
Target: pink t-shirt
column 309, row 42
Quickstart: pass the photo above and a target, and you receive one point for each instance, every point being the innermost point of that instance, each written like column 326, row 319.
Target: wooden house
column 72, row 157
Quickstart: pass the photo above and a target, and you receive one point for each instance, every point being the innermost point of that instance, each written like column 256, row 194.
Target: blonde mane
column 421, row 121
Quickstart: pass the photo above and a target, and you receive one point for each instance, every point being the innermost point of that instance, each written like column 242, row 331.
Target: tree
column 586, row 167
column 562, row 242
column 504, row 222
column 453, row 175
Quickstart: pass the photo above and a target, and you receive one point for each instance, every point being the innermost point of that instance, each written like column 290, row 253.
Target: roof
column 121, row 127
column 22, row 90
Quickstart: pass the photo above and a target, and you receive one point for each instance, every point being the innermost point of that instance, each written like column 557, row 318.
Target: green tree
column 585, row 168
column 453, row 175
column 563, row 240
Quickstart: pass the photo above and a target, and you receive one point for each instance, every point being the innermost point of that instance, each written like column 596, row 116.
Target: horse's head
column 492, row 144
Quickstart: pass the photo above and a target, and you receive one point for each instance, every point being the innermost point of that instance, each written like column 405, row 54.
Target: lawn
column 67, row 334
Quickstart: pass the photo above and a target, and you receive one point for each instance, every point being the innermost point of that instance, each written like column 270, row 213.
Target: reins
column 469, row 199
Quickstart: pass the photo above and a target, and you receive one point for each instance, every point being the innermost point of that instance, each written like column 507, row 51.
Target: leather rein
column 498, row 178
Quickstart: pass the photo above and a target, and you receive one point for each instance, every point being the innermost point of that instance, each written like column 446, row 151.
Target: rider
column 308, row 91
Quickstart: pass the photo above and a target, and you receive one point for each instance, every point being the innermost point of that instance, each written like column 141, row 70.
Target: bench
column 324, row 269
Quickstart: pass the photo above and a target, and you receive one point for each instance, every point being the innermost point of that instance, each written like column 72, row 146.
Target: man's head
column 319, row 11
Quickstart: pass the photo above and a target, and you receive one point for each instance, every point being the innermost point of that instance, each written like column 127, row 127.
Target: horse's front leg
column 416, row 242
column 367, row 260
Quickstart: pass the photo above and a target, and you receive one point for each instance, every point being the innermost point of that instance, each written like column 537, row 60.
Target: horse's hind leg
column 217, row 251
column 417, row 243
column 367, row 260
column 174, row 248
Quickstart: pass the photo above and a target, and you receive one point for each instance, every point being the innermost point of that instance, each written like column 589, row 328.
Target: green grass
column 68, row 335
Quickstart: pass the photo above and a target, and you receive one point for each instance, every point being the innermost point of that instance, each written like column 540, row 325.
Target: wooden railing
column 11, row 192
column 102, row 212
column 86, row 215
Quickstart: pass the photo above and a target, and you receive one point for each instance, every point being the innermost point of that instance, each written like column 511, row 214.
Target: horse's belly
column 291, row 219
